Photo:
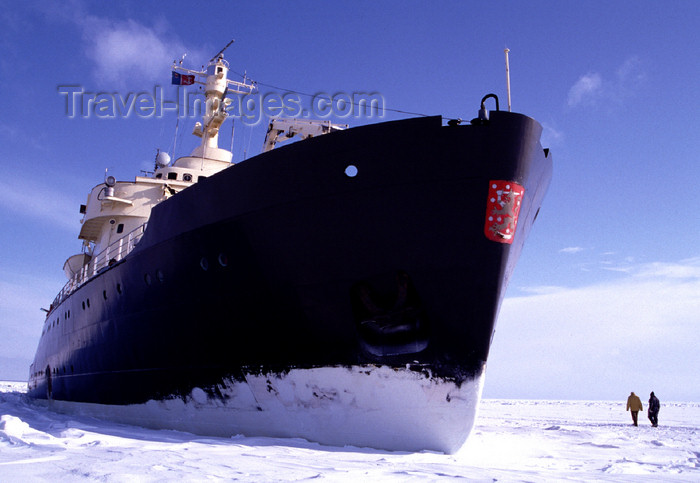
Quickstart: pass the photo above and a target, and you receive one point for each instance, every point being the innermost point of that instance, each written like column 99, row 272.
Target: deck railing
column 105, row 259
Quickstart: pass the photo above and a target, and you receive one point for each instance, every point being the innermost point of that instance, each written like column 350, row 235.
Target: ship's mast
column 216, row 86
column 507, row 76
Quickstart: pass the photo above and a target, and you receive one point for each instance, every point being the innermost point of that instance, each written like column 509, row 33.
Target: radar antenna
column 222, row 50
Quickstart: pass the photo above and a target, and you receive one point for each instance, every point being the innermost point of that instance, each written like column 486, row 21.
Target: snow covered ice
column 513, row 440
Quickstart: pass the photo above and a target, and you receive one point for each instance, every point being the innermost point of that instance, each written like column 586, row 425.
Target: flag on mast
column 182, row 79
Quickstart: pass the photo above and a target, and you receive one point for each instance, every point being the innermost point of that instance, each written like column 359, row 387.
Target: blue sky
column 606, row 297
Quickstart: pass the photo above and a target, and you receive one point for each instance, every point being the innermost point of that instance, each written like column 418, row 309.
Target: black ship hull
column 285, row 266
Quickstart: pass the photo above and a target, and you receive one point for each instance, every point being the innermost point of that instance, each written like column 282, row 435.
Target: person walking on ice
column 654, row 406
column 634, row 405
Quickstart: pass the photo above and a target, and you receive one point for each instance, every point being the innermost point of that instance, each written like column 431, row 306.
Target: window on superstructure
column 172, row 175
column 159, row 175
column 120, row 228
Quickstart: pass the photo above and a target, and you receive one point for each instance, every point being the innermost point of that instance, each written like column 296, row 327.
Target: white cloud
column 129, row 53
column 687, row 269
column 544, row 289
column 550, row 136
column 612, row 268
column 571, row 250
column 124, row 53
column 593, row 342
column 20, row 318
column 8, row 130
column 586, row 88
column 40, row 203
column 630, row 73
column 591, row 87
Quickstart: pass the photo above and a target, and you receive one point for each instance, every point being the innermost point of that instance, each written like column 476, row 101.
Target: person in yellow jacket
column 634, row 405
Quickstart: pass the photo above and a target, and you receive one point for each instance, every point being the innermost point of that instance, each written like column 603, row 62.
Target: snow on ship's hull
column 379, row 407
column 285, row 265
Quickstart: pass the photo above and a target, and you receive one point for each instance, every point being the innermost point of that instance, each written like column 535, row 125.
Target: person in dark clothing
column 654, row 406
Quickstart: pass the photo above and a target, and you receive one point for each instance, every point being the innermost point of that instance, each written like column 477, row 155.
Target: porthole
column 160, row 275
column 204, row 263
column 83, row 305
column 223, row 259
column 147, row 278
column 104, row 294
column 119, row 288
column 351, row 171
column 88, row 303
column 187, row 177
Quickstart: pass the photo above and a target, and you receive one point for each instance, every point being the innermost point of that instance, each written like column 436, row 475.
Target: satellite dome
column 162, row 159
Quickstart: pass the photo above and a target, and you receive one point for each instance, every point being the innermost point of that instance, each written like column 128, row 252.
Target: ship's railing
column 105, row 259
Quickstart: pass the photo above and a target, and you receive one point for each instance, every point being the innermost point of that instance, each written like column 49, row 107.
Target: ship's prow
column 342, row 289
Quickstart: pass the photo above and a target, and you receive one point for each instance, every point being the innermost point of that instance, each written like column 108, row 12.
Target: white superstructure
column 116, row 212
